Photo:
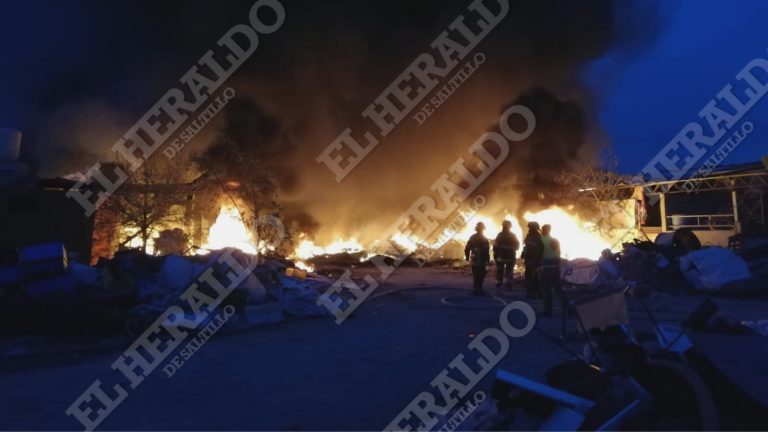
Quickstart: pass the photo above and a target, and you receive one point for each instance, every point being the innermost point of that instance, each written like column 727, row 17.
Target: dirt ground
column 311, row 374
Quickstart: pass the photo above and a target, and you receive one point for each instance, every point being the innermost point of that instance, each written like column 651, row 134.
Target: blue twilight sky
column 702, row 45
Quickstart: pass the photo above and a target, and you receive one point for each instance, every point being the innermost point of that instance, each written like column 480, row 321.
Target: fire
column 308, row 249
column 304, row 266
column 411, row 244
column 578, row 239
column 229, row 231
column 408, row 243
column 492, row 227
column 135, row 242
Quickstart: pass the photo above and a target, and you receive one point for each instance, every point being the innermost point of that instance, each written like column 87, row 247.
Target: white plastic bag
column 710, row 268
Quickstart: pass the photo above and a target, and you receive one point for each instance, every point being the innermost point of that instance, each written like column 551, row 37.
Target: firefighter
column 477, row 252
column 505, row 253
column 532, row 258
column 549, row 270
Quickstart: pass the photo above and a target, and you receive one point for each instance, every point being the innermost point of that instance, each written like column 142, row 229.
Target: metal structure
column 748, row 185
column 708, row 221
column 705, row 184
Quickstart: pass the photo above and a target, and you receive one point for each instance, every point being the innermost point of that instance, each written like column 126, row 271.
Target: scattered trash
column 711, row 268
column 299, row 296
column 40, row 287
column 674, row 261
column 704, row 373
column 580, row 272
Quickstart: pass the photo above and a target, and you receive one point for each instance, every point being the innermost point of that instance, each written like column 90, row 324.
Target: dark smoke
column 110, row 61
column 560, row 141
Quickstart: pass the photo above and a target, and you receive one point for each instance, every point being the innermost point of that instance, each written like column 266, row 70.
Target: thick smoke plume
column 312, row 79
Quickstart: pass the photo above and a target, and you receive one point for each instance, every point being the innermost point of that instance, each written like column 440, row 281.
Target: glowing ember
column 229, row 231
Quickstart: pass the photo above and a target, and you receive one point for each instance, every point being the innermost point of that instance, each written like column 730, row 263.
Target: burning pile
column 229, row 230
column 579, row 238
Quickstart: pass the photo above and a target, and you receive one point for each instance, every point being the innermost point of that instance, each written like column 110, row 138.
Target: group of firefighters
column 541, row 256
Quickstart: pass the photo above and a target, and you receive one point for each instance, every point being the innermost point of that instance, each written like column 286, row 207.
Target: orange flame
column 229, row 231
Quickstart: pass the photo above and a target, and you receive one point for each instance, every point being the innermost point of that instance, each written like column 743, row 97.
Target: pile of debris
column 42, row 292
column 704, row 373
column 676, row 261
column 754, row 249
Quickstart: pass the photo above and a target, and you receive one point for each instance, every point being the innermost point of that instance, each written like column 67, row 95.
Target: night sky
column 642, row 99
column 700, row 48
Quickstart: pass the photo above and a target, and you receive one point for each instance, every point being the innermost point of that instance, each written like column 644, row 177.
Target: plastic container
column 665, row 240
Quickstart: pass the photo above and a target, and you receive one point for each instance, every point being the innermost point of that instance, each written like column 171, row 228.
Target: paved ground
column 311, row 374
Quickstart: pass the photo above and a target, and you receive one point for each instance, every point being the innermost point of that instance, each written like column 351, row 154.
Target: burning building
column 183, row 219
